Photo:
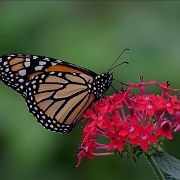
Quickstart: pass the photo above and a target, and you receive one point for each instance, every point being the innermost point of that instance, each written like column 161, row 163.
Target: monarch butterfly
column 56, row 92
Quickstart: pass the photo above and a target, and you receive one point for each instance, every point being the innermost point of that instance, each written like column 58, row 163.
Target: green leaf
column 170, row 178
column 168, row 164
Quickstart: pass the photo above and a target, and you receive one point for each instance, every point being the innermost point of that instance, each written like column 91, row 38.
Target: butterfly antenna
column 117, row 59
column 125, row 62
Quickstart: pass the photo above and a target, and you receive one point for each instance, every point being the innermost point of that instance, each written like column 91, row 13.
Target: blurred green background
column 90, row 34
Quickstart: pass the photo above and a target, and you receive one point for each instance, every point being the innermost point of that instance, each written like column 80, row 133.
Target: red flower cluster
column 131, row 121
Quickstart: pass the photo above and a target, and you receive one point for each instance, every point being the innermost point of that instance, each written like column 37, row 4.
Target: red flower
column 88, row 114
column 142, row 85
column 177, row 126
column 165, row 87
column 130, row 129
column 116, row 140
column 164, row 130
column 112, row 123
column 86, row 149
column 89, row 130
column 129, row 120
column 145, row 137
column 168, row 104
column 150, row 106
column 113, row 102
column 99, row 117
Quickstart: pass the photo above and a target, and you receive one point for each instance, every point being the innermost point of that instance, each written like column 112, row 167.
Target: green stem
column 153, row 164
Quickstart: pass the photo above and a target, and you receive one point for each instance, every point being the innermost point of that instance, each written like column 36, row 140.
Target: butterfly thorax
column 101, row 83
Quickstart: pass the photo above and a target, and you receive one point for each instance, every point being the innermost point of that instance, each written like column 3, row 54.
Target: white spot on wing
column 38, row 68
column 35, row 57
column 41, row 63
column 53, row 64
column 43, row 76
column 27, row 64
column 7, row 69
column 27, row 59
column 5, row 63
column 21, row 80
column 22, row 72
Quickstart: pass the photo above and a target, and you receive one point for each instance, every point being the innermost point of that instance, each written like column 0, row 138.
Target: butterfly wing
column 17, row 70
column 58, row 99
column 57, row 93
